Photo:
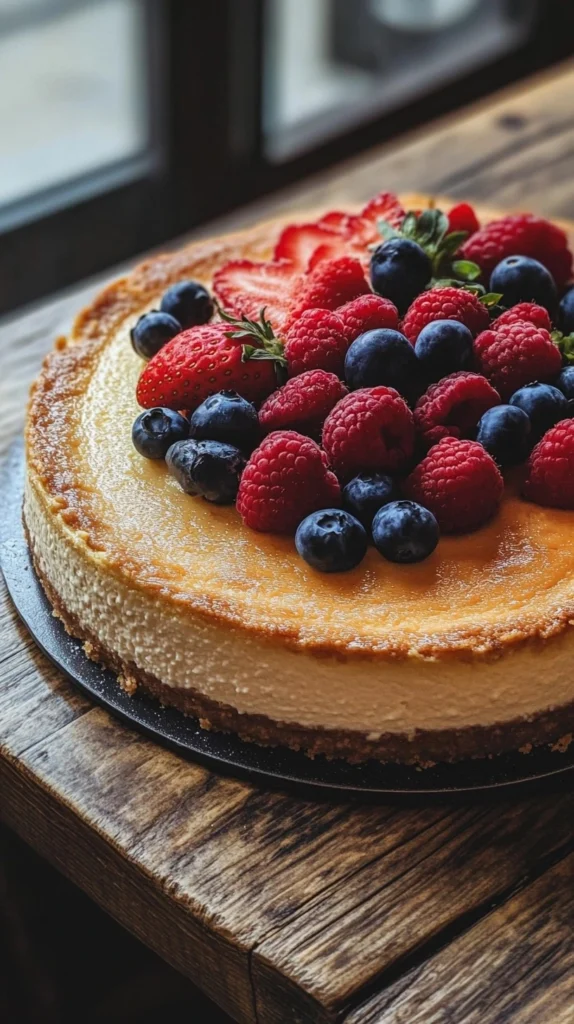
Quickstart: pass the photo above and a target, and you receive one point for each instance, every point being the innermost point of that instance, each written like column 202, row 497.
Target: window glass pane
column 329, row 64
column 72, row 98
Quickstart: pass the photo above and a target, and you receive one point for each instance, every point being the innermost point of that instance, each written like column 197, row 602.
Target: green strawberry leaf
column 409, row 226
column 452, row 242
column 565, row 343
column 386, row 231
column 466, row 270
column 263, row 344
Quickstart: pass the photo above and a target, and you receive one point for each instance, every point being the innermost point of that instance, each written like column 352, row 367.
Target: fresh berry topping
column 369, row 429
column 524, row 235
column 330, row 285
column 550, row 479
column 565, row 383
column 566, row 312
column 298, row 243
column 385, row 207
column 316, row 340
column 303, row 403
column 405, row 532
column 522, row 279
column 189, row 302
column 226, row 417
column 443, row 347
column 366, row 493
column 152, row 331
column 463, row 218
column 528, row 311
column 202, row 361
column 155, row 430
column 367, row 313
column 453, row 406
column 400, row 269
column 445, row 304
column 504, row 431
column 286, row 479
column 459, row 482
column 516, row 354
column 207, row 468
column 331, row 540
column 383, row 357
column 244, row 288
column 544, row 405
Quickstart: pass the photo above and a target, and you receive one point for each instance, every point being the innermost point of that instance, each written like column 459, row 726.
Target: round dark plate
column 278, row 766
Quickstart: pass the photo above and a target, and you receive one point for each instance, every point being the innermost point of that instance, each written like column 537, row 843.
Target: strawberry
column 385, row 206
column 244, row 287
column 298, row 243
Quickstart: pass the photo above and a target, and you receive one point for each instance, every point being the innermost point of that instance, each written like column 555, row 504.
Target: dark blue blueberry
column 152, row 331
column 566, row 312
column 226, row 417
column 155, row 430
column 443, row 347
column 504, row 431
column 189, row 302
column 522, row 279
column 400, row 270
column 331, row 540
column 207, row 468
column 565, row 382
column 366, row 494
column 382, row 356
column 543, row 404
column 405, row 532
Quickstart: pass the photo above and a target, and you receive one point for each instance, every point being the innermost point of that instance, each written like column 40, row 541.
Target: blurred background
column 126, row 122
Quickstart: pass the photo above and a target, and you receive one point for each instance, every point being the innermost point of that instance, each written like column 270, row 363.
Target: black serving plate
column 277, row 767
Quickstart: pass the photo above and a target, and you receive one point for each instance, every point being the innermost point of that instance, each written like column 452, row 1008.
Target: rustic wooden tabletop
column 281, row 909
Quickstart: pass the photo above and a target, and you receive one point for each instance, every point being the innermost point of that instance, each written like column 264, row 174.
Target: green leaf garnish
column 491, row 299
column 466, row 270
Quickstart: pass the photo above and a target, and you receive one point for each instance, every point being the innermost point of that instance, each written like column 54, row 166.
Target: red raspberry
column 367, row 313
column 286, row 479
column 463, row 218
column 453, row 407
column 521, row 234
column 444, row 304
column 517, row 354
column 550, row 479
column 371, row 428
column 459, row 482
column 303, row 403
column 316, row 341
column 528, row 311
column 331, row 284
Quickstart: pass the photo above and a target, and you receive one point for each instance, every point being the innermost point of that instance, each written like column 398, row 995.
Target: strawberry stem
column 260, row 341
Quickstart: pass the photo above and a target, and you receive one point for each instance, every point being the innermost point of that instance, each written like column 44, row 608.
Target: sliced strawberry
column 329, row 251
column 335, row 219
column 298, row 242
column 244, row 287
column 385, row 206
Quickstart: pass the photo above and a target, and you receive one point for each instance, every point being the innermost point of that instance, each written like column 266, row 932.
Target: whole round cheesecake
column 465, row 653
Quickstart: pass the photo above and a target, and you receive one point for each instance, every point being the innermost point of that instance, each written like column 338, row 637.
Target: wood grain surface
column 281, row 909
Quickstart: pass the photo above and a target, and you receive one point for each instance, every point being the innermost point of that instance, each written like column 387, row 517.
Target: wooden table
column 281, row 909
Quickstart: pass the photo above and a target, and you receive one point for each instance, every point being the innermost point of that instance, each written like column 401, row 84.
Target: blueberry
column 155, row 430
column 566, row 312
column 443, row 347
column 543, row 404
column 366, row 494
column 522, row 279
column 400, row 270
column 385, row 357
column 152, row 331
column 405, row 532
column 189, row 302
column 207, row 468
column 331, row 540
column 565, row 382
column 504, row 431
column 226, row 417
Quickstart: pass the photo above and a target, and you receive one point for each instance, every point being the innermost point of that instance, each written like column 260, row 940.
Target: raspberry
column 371, row 428
column 459, row 482
column 331, row 284
column 444, row 304
column 550, row 479
column 528, row 311
column 367, row 313
column 517, row 354
column 463, row 218
column 521, row 234
column 316, row 341
column 286, row 478
column 303, row 403
column 453, row 407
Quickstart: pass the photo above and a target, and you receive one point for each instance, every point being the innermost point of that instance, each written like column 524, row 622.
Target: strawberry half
column 244, row 287
column 204, row 360
column 364, row 228
column 298, row 242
